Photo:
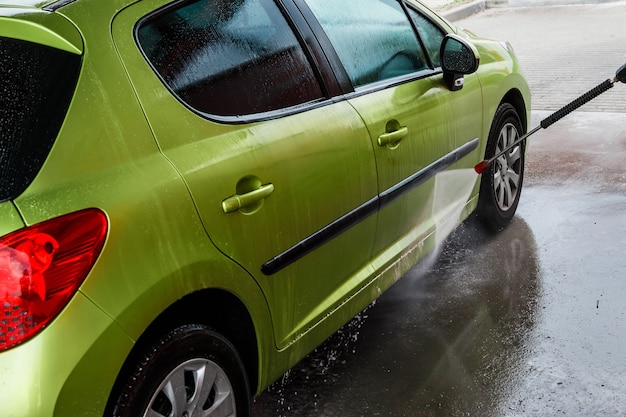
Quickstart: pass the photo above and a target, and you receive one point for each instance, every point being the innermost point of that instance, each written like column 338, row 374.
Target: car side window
column 374, row 39
column 229, row 57
column 431, row 36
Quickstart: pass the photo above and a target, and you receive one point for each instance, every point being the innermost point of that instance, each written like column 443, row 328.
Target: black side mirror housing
column 620, row 74
column 458, row 58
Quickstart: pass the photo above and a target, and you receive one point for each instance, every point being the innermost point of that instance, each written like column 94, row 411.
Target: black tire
column 191, row 371
column 501, row 183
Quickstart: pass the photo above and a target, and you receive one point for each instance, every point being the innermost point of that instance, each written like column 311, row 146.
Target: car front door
column 402, row 97
column 276, row 186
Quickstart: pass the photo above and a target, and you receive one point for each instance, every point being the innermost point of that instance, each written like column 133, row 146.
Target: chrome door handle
column 239, row 201
column 393, row 138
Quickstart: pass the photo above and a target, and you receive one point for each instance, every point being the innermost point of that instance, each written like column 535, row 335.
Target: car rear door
column 403, row 100
column 278, row 172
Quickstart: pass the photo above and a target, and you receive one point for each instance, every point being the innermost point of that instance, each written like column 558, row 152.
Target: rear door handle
column 239, row 201
column 393, row 138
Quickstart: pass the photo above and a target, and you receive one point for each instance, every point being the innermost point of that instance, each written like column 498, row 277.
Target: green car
column 195, row 194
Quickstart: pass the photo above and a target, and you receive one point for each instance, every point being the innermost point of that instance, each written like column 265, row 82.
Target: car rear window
column 36, row 85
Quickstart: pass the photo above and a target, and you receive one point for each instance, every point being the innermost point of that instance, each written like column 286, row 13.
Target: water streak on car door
column 421, row 109
column 467, row 113
column 462, row 183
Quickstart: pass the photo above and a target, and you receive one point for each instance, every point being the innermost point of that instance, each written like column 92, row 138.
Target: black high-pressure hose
column 567, row 109
column 620, row 76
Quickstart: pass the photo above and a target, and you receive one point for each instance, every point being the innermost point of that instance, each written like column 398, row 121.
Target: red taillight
column 41, row 268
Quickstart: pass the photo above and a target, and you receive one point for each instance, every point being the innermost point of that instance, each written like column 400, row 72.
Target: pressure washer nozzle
column 479, row 168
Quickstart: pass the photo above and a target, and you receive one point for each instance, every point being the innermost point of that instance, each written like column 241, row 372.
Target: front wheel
column 501, row 183
column 190, row 372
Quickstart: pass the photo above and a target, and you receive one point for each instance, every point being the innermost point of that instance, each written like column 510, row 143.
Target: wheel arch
column 218, row 309
column 225, row 313
column 515, row 98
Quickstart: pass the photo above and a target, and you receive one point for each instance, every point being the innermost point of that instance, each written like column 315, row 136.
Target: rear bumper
column 68, row 369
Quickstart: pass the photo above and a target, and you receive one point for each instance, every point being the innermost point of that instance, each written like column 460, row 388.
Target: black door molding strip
column 334, row 229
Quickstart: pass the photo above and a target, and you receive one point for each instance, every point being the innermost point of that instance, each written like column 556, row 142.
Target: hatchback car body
column 195, row 194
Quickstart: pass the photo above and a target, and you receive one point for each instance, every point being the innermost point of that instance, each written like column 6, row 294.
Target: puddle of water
column 445, row 340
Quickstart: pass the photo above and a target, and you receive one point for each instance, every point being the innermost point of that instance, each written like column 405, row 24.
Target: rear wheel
column 501, row 183
column 191, row 372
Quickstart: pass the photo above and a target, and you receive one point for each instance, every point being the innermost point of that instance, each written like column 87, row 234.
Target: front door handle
column 393, row 138
column 240, row 201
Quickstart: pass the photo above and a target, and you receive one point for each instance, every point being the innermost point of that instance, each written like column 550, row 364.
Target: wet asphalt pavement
column 532, row 321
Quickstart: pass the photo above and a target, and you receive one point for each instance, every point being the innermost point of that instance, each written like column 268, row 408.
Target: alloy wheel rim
column 198, row 387
column 507, row 171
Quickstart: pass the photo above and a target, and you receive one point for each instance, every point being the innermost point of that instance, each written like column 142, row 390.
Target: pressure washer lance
column 620, row 75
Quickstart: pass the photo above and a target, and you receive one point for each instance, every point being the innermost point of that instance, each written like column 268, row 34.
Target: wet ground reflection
column 446, row 340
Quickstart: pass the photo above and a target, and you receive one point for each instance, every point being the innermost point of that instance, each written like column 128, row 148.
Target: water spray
column 620, row 76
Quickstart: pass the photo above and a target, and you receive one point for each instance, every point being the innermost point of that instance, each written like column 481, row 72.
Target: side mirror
column 458, row 58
